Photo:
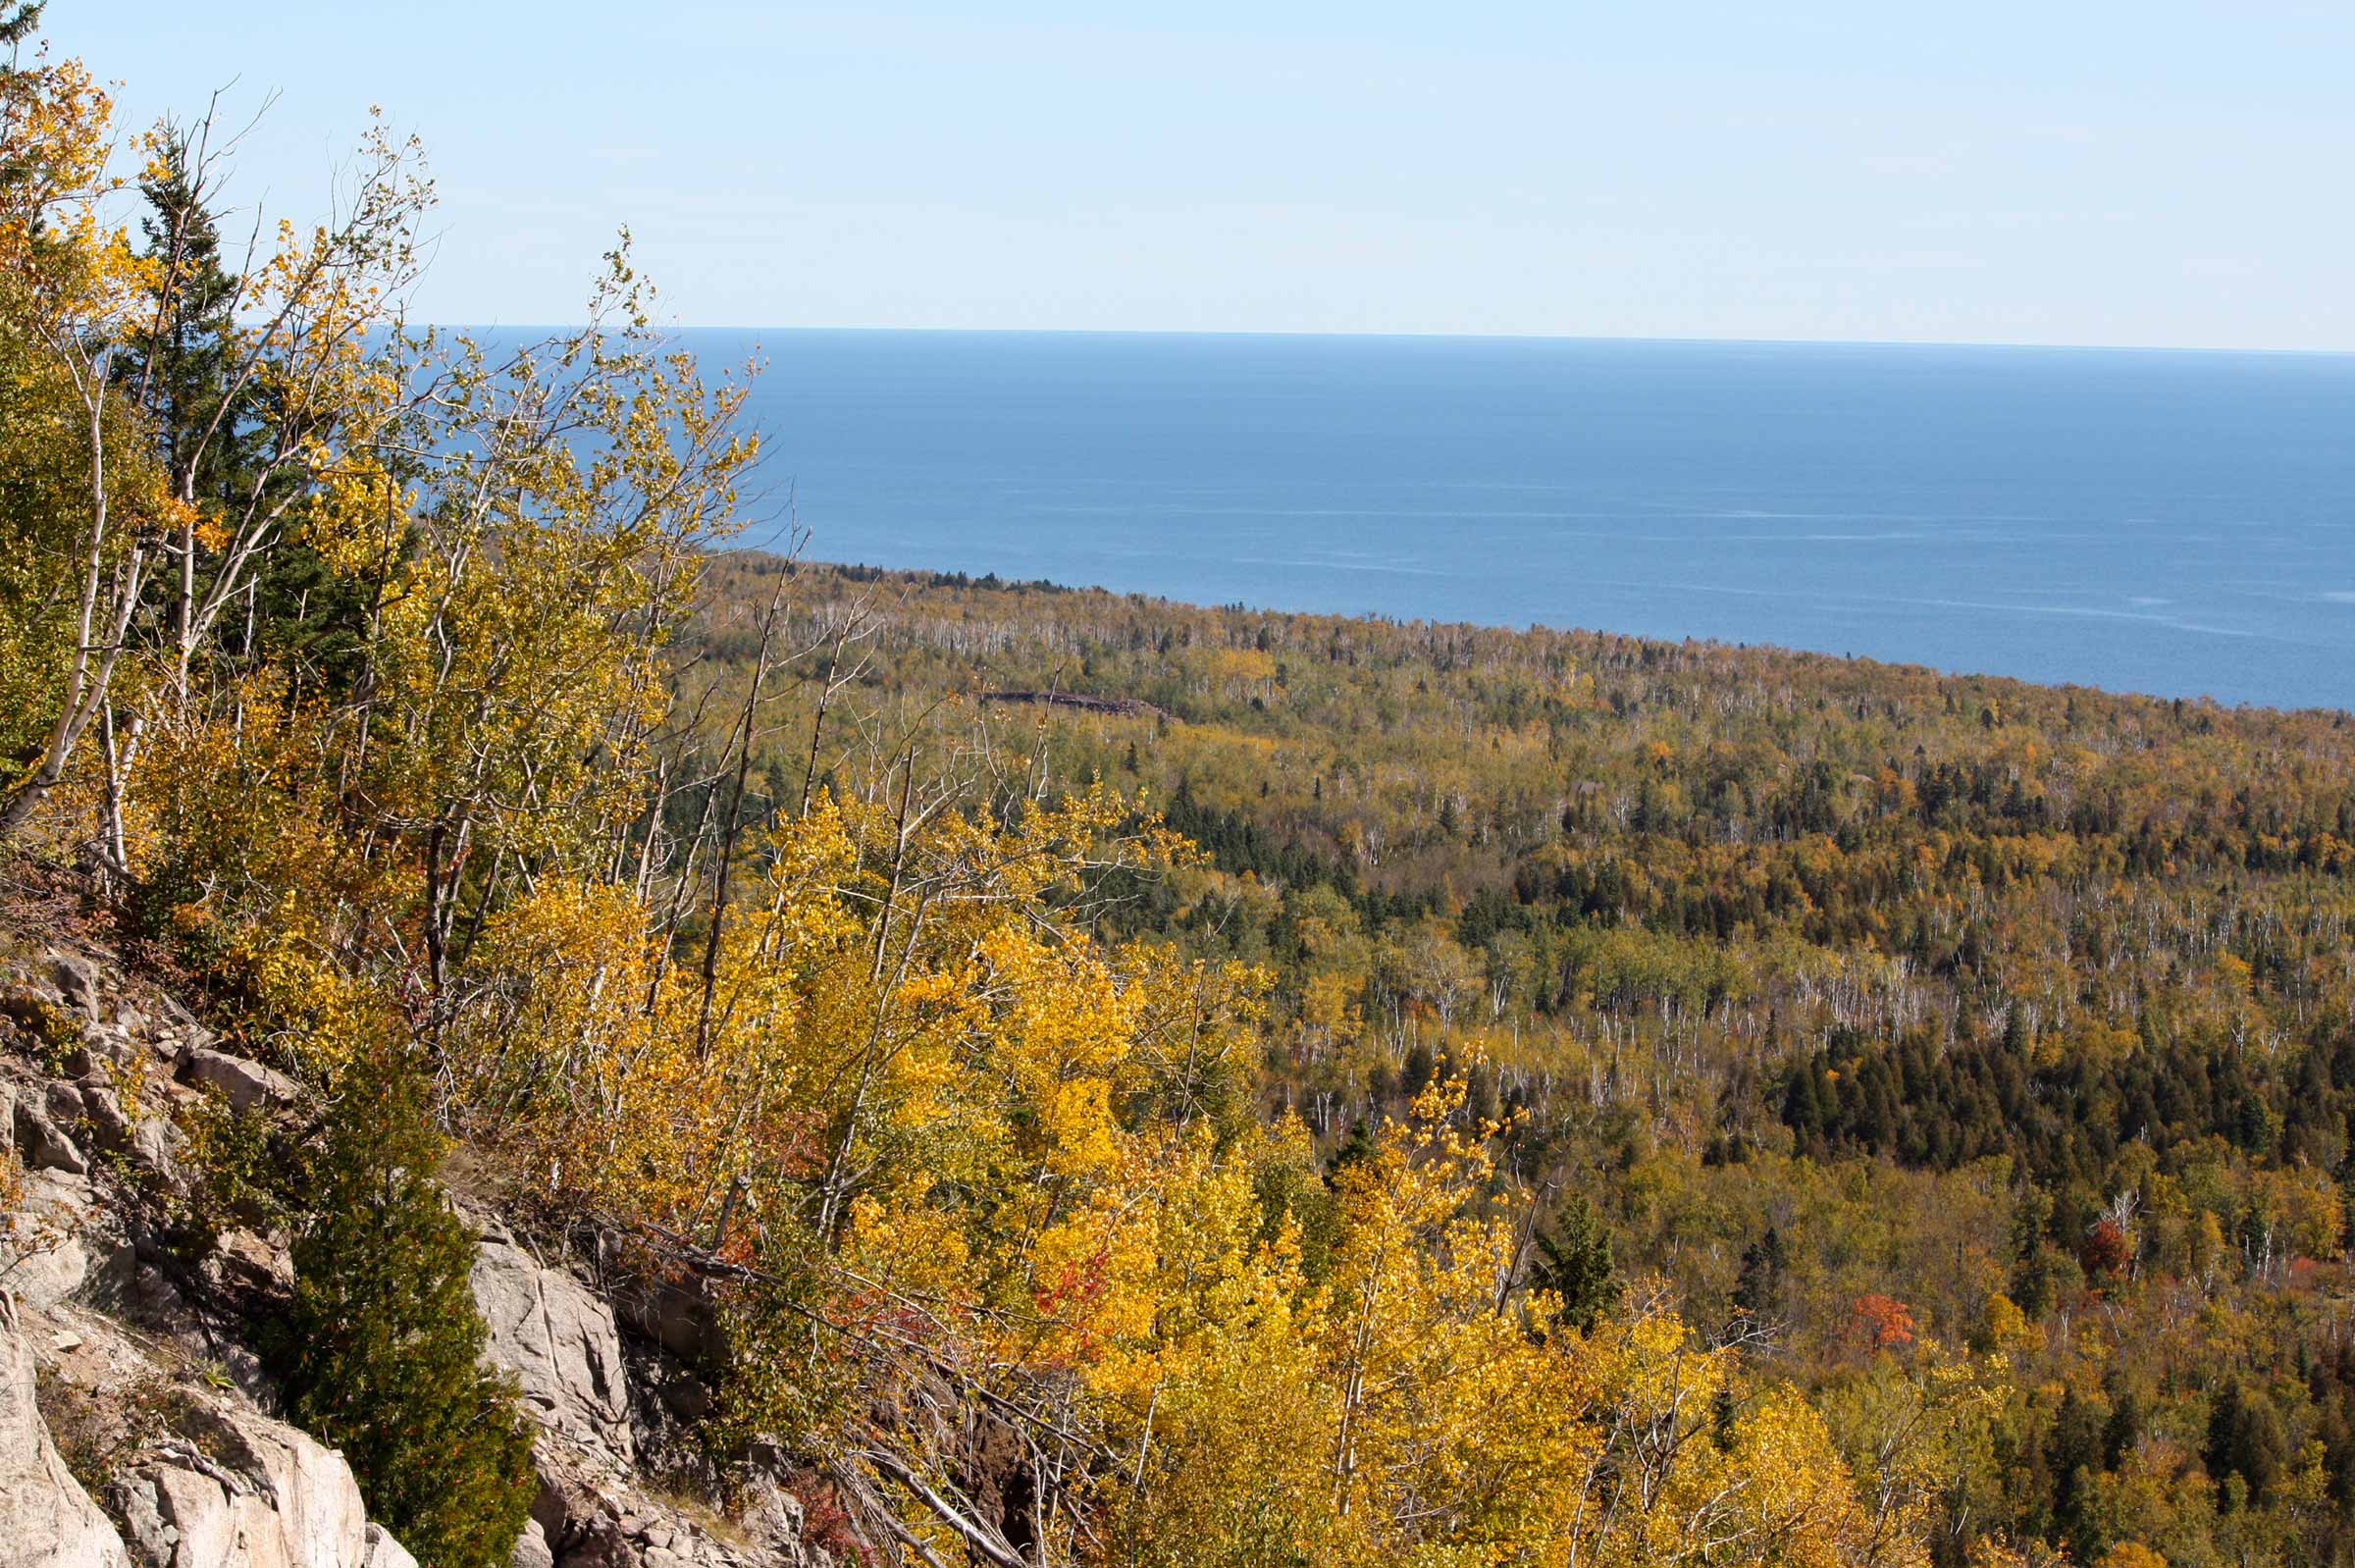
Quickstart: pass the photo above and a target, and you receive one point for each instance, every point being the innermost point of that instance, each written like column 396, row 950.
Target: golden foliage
column 864, row 1060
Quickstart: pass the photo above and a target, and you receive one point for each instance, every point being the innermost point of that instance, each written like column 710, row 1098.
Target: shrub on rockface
column 380, row 1348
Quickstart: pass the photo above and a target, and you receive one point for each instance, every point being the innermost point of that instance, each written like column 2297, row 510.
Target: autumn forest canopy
column 1306, row 1090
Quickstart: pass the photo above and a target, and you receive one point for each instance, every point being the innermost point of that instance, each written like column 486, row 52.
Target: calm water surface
column 2176, row 523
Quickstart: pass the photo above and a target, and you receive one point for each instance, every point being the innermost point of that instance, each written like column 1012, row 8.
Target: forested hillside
column 1347, row 1094
column 1918, row 1033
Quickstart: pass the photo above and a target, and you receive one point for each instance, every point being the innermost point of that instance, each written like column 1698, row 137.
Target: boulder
column 679, row 1316
column 531, row 1548
column 775, row 1516
column 381, row 1550
column 686, row 1396
column 42, row 1143
column 246, row 1492
column 559, row 1338
column 44, row 1244
column 145, row 1136
column 199, row 1478
column 46, row 1519
column 244, row 1083
column 76, row 981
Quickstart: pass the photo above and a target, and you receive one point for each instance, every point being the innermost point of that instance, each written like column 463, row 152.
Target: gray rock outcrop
column 46, row 1519
column 137, row 1364
column 559, row 1338
column 242, row 1084
column 245, row 1492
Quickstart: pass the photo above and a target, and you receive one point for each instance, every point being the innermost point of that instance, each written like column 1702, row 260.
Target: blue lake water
column 2175, row 523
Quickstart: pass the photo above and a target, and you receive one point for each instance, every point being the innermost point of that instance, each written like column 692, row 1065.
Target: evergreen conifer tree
column 182, row 367
column 379, row 1351
column 1575, row 1262
column 1760, row 1282
column 190, row 373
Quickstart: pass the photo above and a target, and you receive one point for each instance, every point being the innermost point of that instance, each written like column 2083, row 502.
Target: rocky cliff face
column 44, row 1511
column 136, row 1424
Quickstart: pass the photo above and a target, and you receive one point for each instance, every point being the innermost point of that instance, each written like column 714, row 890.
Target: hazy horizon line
column 1693, row 339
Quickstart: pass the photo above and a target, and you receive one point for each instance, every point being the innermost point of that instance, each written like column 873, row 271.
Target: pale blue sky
column 2066, row 171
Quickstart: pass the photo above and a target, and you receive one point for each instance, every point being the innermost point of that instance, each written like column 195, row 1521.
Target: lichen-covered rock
column 46, row 1519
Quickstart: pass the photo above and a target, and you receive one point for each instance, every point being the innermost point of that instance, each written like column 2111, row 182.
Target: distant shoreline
column 923, row 578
